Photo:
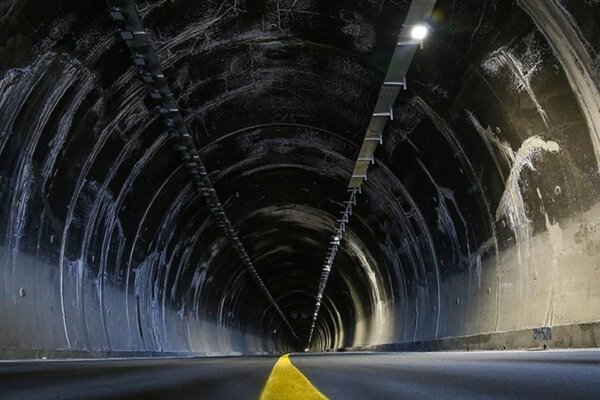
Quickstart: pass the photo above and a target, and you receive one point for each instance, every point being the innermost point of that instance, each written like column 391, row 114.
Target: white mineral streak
column 379, row 319
column 556, row 241
column 512, row 206
column 559, row 28
column 522, row 69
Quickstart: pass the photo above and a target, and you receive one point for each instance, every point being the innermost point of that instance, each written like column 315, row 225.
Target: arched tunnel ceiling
column 482, row 198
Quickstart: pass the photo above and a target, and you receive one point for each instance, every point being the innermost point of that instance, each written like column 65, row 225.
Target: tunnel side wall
column 533, row 282
column 105, row 250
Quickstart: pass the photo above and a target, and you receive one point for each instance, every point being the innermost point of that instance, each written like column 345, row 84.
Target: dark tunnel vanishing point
column 479, row 224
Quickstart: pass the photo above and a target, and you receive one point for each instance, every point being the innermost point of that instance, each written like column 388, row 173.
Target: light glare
column 419, row 32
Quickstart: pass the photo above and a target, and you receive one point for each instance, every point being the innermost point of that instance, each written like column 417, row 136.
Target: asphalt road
column 474, row 375
column 461, row 375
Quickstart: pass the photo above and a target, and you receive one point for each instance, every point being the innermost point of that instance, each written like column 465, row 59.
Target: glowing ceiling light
column 419, row 32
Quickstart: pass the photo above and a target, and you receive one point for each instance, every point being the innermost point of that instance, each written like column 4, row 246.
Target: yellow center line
column 286, row 382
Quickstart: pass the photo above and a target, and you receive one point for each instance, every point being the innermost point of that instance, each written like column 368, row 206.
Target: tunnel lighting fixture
column 395, row 79
column 419, row 32
column 126, row 35
column 117, row 15
column 139, row 60
column 143, row 55
column 155, row 95
column 146, row 77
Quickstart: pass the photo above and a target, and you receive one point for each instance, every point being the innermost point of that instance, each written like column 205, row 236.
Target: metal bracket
column 377, row 139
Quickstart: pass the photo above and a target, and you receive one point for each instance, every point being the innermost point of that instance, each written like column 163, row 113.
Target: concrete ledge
column 562, row 336
column 22, row 354
column 39, row 354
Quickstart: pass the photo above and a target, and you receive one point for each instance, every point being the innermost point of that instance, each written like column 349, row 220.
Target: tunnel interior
column 480, row 214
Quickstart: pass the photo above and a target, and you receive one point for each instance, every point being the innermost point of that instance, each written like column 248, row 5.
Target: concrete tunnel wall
column 481, row 215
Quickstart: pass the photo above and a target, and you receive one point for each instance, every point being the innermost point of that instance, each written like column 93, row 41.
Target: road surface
column 536, row 375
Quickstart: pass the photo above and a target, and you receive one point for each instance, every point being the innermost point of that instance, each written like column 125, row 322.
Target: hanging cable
column 143, row 56
column 410, row 39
